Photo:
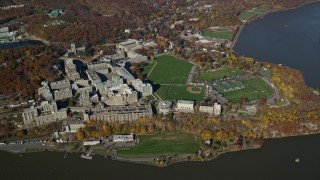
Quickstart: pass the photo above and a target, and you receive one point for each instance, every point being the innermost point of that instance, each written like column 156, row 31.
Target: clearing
column 255, row 89
column 219, row 74
column 247, row 15
column 170, row 70
column 162, row 144
column 176, row 92
column 218, row 34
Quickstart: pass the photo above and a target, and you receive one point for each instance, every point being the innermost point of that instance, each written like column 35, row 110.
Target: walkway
column 152, row 68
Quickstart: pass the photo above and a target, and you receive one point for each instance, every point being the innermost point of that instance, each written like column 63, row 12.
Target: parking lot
column 22, row 146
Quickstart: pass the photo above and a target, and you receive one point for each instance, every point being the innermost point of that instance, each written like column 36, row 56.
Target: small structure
column 217, row 109
column 251, row 110
column 128, row 45
column 6, row 35
column 73, row 127
column 123, row 138
column 206, row 109
column 127, row 31
column 164, row 107
column 135, row 57
column 56, row 12
column 91, row 143
column 185, row 106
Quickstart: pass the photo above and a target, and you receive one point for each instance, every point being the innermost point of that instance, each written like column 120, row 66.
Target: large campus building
column 122, row 113
column 185, row 106
column 45, row 113
column 61, row 89
column 145, row 89
column 71, row 70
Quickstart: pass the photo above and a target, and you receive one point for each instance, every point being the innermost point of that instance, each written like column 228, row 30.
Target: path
column 152, row 68
column 275, row 95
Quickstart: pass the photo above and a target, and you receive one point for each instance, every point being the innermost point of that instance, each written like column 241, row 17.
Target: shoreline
column 155, row 161
column 262, row 15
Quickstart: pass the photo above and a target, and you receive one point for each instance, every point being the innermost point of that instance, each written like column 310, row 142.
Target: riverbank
column 205, row 155
column 237, row 35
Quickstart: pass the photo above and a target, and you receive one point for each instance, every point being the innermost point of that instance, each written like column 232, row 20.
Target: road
column 19, row 148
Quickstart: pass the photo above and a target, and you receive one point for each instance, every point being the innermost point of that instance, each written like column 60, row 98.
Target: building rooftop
column 185, row 102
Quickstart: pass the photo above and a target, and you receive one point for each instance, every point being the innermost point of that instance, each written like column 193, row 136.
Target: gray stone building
column 144, row 89
column 61, row 89
column 164, row 107
column 100, row 67
column 45, row 113
column 93, row 77
column 122, row 114
column 119, row 95
column 44, row 91
column 125, row 74
column 71, row 70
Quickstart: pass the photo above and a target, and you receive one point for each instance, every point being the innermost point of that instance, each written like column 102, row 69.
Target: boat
column 86, row 157
column 297, row 160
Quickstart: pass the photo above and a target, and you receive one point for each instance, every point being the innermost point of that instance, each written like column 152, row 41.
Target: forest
column 22, row 69
column 100, row 21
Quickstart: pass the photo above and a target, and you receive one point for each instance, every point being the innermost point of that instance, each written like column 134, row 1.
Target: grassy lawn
column 255, row 89
column 146, row 69
column 195, row 89
column 249, row 14
column 260, row 86
column 218, row 34
column 100, row 151
column 175, row 92
column 170, row 70
column 219, row 74
column 162, row 144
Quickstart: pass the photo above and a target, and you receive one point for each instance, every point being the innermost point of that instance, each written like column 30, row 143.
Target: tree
column 71, row 102
column 80, row 134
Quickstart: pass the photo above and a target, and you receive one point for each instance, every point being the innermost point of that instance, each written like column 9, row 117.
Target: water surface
column 274, row 161
column 291, row 38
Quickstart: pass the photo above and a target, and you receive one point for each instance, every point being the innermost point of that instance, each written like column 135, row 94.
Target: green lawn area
column 219, row 74
column 255, row 89
column 170, row 70
column 218, row 34
column 175, row 92
column 162, row 144
column 146, row 69
column 249, row 14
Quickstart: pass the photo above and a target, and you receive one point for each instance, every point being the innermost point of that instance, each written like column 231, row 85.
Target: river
column 20, row 44
column 291, row 38
column 276, row 161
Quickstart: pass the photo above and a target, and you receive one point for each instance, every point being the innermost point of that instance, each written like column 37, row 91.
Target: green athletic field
column 249, row 14
column 219, row 74
column 175, row 92
column 255, row 89
column 218, row 34
column 162, row 144
column 170, row 70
